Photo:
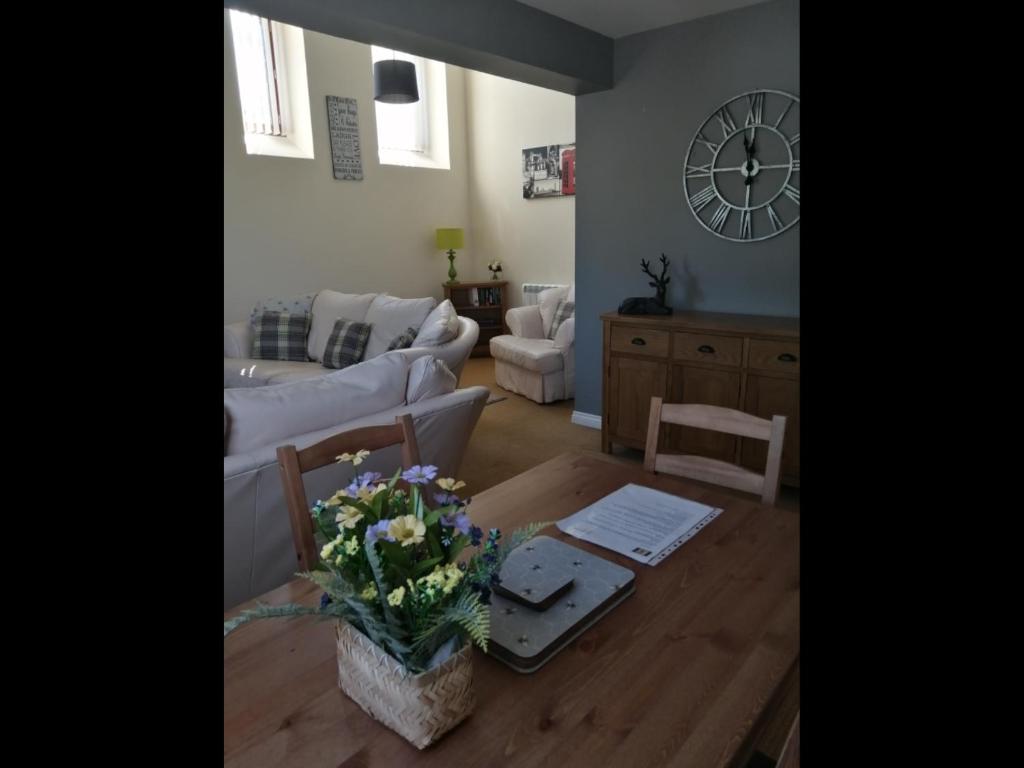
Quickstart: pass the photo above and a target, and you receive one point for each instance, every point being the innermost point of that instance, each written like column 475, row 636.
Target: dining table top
column 681, row 673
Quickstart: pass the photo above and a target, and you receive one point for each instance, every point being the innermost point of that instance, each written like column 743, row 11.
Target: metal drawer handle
column 707, row 349
column 638, row 341
column 785, row 357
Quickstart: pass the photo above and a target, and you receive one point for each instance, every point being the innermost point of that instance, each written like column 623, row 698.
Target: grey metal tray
column 526, row 637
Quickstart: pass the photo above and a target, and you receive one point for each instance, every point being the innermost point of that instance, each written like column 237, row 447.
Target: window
column 414, row 134
column 270, row 64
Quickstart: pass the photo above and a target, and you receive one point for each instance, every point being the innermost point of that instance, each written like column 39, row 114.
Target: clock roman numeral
column 796, row 166
column 795, row 139
column 726, row 121
column 718, row 220
column 792, row 193
column 745, row 231
column 784, row 113
column 776, row 221
column 709, row 144
column 698, row 171
column 755, row 110
column 702, row 198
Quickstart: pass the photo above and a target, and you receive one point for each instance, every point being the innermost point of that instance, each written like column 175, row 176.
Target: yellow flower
column 351, row 546
column 367, row 494
column 327, row 551
column 449, row 484
column 452, row 578
column 370, row 593
column 337, row 498
column 433, row 579
column 339, row 560
column 397, row 596
column 356, row 458
column 407, row 530
column 348, row 517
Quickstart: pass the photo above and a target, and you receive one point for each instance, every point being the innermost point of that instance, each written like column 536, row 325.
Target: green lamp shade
column 448, row 239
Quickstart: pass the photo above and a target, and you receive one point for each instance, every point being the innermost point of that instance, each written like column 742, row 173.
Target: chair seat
column 540, row 355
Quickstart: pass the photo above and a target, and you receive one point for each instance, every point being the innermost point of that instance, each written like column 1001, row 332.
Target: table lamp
column 448, row 240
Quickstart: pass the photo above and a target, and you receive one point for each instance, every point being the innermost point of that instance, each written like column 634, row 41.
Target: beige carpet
column 516, row 434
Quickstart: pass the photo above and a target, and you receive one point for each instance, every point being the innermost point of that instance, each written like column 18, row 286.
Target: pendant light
column 394, row 82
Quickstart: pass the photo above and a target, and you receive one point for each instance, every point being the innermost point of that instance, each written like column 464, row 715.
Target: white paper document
column 639, row 522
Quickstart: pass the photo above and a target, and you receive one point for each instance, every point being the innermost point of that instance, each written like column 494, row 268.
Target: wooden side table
column 486, row 302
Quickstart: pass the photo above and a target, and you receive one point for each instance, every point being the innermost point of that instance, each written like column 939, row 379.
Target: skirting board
column 591, row 420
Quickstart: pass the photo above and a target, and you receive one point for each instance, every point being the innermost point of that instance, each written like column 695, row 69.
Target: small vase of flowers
column 495, row 268
column 408, row 611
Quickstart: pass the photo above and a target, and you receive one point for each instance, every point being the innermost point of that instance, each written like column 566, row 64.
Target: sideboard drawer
column 775, row 355
column 640, row 341
column 707, row 348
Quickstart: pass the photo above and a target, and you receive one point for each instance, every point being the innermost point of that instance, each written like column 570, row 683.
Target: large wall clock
column 742, row 172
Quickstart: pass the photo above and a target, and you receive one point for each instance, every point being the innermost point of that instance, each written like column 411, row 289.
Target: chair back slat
column 714, row 417
column 718, row 419
column 295, row 463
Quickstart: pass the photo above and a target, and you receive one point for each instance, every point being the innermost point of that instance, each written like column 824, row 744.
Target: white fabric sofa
column 258, row 550
column 528, row 362
column 389, row 317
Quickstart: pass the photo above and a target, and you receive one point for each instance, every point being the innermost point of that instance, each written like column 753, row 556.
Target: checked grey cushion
column 346, row 344
column 280, row 336
column 403, row 340
column 563, row 312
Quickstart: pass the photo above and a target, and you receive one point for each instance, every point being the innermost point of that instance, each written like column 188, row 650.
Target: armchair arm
column 525, row 322
column 566, row 334
column 238, row 339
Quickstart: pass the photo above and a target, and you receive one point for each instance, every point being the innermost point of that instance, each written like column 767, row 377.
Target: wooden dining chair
column 790, row 756
column 715, row 471
column 295, row 463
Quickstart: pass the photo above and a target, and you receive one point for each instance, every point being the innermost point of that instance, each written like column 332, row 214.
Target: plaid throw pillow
column 403, row 340
column 346, row 344
column 280, row 336
column 563, row 312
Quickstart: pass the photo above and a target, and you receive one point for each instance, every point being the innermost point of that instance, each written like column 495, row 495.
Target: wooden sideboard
column 747, row 362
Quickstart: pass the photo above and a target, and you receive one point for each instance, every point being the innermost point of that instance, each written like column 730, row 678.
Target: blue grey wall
column 631, row 142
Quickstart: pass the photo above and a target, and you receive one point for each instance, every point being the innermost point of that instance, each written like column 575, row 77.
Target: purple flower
column 475, row 534
column 362, row 481
column 459, row 521
column 378, row 531
column 418, row 475
column 446, row 498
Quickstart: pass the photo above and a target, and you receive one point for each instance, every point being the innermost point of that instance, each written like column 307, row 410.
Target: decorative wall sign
column 750, row 170
column 549, row 171
column 343, row 122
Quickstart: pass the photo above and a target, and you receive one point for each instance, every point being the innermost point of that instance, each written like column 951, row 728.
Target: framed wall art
column 549, row 171
column 343, row 124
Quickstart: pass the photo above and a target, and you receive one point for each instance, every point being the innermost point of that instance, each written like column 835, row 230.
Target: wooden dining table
column 687, row 671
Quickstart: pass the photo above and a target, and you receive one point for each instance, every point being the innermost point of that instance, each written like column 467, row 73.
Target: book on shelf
column 474, row 297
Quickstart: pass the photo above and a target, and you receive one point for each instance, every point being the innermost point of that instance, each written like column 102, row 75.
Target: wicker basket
column 421, row 708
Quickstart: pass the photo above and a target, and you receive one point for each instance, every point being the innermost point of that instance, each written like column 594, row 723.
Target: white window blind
column 259, row 62
column 403, row 126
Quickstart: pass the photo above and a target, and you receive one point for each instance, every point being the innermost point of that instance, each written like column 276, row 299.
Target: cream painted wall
column 290, row 227
column 535, row 239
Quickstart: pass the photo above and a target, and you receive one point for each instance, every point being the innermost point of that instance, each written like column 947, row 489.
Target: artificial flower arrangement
column 495, row 268
column 389, row 566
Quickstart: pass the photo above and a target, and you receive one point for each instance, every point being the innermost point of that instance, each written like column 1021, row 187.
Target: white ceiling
column 616, row 18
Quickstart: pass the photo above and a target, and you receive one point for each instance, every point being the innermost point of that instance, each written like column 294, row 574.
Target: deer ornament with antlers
column 654, row 305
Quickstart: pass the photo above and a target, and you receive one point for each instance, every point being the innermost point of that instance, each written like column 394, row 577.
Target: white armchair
column 530, row 363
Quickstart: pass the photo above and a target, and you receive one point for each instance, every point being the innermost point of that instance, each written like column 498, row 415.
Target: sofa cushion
column 247, row 372
column 563, row 312
column 269, row 416
column 346, row 344
column 295, row 305
column 280, row 336
column 328, row 307
column 538, row 355
column 440, row 327
column 403, row 340
column 548, row 301
column 429, row 377
column 390, row 316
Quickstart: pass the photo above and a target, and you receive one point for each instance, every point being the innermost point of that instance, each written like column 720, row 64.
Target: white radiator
column 531, row 291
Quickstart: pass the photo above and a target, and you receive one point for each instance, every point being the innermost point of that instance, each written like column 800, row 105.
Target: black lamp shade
column 394, row 82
